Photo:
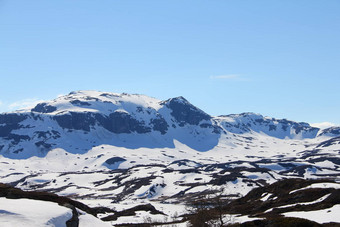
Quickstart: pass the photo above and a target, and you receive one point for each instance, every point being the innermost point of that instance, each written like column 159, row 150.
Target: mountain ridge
column 93, row 114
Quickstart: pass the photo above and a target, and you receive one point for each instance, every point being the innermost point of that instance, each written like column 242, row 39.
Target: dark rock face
column 302, row 127
column 272, row 127
column 16, row 138
column 117, row 122
column 123, row 123
column 160, row 124
column 184, row 112
column 12, row 118
column 6, row 129
column 9, row 123
column 120, row 122
column 79, row 103
column 44, row 108
column 77, row 121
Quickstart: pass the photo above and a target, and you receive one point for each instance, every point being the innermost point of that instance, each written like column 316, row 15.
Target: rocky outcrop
column 44, row 108
column 332, row 131
column 184, row 112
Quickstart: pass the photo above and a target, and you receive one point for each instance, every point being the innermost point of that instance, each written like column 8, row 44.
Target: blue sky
column 277, row 58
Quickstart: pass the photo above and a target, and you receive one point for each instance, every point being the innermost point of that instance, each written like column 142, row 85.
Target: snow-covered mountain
column 121, row 150
column 81, row 120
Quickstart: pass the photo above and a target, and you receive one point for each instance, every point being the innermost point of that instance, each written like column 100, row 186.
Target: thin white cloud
column 323, row 125
column 22, row 104
column 1, row 103
column 229, row 77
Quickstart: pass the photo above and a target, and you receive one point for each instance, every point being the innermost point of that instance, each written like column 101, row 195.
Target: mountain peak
column 184, row 112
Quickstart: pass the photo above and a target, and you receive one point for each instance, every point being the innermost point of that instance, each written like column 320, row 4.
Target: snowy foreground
column 119, row 151
column 320, row 216
column 27, row 212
